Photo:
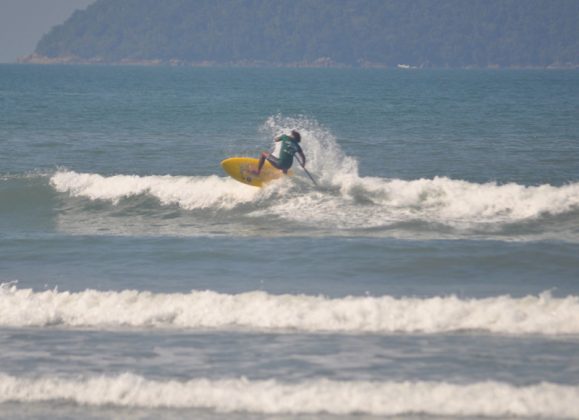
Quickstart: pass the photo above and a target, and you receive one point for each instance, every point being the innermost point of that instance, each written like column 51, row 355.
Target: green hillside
column 425, row 33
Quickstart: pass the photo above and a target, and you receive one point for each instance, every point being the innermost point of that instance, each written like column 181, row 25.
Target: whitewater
column 348, row 203
column 488, row 399
column 261, row 311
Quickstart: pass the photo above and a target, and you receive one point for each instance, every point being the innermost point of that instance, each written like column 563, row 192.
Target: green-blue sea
column 431, row 271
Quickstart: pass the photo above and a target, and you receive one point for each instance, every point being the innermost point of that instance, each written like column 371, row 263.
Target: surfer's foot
column 254, row 172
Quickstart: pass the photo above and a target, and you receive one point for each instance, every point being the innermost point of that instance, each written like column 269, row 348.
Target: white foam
column 492, row 399
column 186, row 192
column 360, row 203
column 543, row 314
column 324, row 155
column 444, row 199
column 350, row 202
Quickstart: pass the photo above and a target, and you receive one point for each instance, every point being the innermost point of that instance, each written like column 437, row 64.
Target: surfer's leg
column 274, row 161
column 261, row 162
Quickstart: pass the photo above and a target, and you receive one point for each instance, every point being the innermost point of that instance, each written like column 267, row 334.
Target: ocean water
column 433, row 272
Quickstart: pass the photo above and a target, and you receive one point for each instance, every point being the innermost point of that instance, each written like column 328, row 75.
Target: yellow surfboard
column 240, row 168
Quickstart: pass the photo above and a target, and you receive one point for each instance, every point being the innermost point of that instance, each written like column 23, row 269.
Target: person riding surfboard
column 282, row 157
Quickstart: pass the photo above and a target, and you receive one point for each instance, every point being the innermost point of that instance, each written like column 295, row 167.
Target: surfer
column 282, row 157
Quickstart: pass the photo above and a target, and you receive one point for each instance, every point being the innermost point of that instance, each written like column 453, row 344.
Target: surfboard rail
column 241, row 169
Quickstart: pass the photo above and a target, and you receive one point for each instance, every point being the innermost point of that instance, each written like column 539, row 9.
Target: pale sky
column 23, row 22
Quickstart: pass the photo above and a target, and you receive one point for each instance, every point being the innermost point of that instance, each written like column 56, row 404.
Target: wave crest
column 353, row 203
column 186, row 192
column 543, row 314
column 492, row 399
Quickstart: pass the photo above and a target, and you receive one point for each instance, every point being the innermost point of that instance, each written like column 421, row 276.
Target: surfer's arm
column 303, row 156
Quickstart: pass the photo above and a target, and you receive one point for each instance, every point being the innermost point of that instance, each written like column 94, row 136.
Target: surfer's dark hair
column 296, row 135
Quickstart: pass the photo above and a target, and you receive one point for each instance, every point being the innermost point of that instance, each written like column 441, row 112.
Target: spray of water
column 325, row 157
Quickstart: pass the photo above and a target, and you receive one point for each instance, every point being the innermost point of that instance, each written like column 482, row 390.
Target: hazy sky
column 23, row 22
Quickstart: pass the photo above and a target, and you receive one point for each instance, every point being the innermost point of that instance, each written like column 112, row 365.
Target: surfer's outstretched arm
column 303, row 156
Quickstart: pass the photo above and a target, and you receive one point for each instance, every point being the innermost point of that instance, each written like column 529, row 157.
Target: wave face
column 490, row 399
column 260, row 311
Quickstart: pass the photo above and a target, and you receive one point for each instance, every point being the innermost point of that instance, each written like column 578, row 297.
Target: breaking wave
column 440, row 199
column 344, row 203
column 188, row 193
column 543, row 314
column 315, row 396
column 439, row 207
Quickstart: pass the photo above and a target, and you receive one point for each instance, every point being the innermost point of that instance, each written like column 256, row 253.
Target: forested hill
column 422, row 33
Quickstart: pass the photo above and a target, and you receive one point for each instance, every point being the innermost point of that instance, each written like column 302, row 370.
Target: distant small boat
column 406, row 66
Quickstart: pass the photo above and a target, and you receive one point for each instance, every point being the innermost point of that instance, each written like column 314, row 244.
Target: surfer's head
column 296, row 135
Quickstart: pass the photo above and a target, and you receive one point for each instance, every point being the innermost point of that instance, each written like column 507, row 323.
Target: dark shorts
column 275, row 162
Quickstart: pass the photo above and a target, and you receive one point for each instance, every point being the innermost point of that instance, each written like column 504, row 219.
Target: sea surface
column 432, row 272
